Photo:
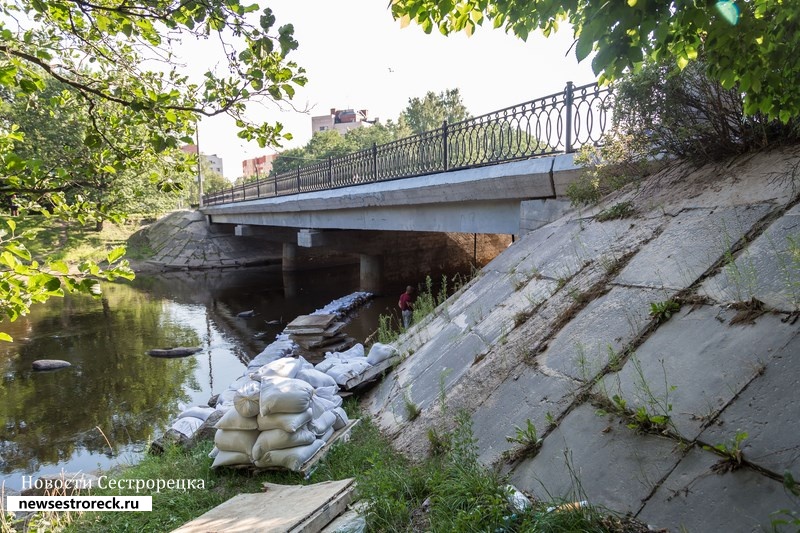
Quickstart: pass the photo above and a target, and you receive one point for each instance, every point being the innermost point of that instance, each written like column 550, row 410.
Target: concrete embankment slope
column 559, row 325
column 183, row 240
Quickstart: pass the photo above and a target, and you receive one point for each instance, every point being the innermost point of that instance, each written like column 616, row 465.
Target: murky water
column 115, row 399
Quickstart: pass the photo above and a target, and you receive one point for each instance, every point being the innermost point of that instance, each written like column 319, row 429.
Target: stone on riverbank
column 50, row 364
column 180, row 351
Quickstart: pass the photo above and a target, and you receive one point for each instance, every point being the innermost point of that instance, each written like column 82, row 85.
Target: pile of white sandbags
column 281, row 415
column 343, row 366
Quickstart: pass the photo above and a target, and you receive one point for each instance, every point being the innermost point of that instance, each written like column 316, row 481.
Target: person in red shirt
column 406, row 305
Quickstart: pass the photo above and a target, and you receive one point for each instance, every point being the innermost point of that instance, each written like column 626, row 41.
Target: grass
column 616, row 211
column 73, row 242
column 462, row 495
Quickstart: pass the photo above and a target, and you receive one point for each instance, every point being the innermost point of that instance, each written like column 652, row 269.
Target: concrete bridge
column 509, row 198
column 503, row 173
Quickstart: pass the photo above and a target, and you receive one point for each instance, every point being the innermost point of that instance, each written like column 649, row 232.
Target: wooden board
column 340, row 435
column 311, row 321
column 280, row 509
column 371, row 374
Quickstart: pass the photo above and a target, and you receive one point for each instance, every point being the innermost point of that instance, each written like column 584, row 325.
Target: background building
column 341, row 120
column 213, row 160
column 259, row 167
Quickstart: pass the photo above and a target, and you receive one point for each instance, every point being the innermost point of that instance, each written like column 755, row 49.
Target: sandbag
column 341, row 418
column 198, row 411
column 329, row 361
column 326, row 437
column 246, row 399
column 319, row 405
column 316, row 378
column 380, row 352
column 285, row 367
column 236, row 440
column 278, row 439
column 225, row 458
column 357, row 351
column 321, row 424
column 284, row 395
column 213, row 453
column 225, row 399
column 233, row 420
column 187, row 425
column 346, row 371
column 329, row 393
column 291, row 458
column 289, row 422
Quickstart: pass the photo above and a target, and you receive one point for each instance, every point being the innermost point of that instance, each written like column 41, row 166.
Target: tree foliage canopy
column 429, row 112
column 751, row 44
column 107, row 78
column 421, row 114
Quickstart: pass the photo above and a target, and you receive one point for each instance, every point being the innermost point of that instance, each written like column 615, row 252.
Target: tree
column 433, row 109
column 118, row 63
column 753, row 45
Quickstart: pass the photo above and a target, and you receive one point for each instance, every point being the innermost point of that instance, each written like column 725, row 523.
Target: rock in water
column 180, row 351
column 50, row 364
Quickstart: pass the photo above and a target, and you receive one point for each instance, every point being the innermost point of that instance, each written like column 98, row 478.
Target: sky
column 357, row 56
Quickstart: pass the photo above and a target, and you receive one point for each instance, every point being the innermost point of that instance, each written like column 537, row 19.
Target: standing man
column 406, row 305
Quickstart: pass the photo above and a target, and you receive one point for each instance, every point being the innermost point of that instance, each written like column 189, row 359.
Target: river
column 115, row 399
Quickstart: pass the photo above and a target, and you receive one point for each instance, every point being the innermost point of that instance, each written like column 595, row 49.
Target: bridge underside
column 506, row 199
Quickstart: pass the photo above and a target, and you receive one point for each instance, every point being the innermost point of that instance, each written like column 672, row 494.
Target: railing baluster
column 568, row 99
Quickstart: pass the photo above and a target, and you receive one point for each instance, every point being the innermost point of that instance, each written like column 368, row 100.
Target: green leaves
column 756, row 39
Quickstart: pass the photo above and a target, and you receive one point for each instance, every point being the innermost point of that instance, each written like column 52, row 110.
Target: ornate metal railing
column 558, row 123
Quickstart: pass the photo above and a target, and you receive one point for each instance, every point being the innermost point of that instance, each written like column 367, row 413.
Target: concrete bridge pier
column 289, row 258
column 371, row 273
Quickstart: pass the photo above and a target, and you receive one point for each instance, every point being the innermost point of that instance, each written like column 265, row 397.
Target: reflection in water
column 60, row 420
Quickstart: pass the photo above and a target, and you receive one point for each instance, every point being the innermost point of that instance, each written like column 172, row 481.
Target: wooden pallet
column 340, row 435
column 370, row 374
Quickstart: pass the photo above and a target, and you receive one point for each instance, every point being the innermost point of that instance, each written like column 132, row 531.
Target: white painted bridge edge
column 508, row 198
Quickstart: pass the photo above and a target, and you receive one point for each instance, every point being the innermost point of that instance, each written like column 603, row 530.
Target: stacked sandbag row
column 344, row 366
column 282, row 415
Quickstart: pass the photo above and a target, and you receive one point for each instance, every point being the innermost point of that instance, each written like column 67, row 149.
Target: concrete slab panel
column 521, row 249
column 505, row 317
column 487, row 292
column 606, row 325
column 446, row 370
column 419, row 362
column 697, row 363
column 768, row 269
column 609, row 464
column 530, row 395
column 575, row 243
column 767, row 410
column 695, row 499
column 689, row 245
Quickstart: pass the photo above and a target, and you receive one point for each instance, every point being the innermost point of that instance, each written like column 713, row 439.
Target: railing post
column 568, row 98
column 298, row 178
column 330, row 171
column 445, row 154
column 374, row 161
column 275, row 180
column 258, row 187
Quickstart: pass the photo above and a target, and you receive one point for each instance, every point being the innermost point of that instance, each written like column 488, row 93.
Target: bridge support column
column 289, row 260
column 289, row 284
column 371, row 273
